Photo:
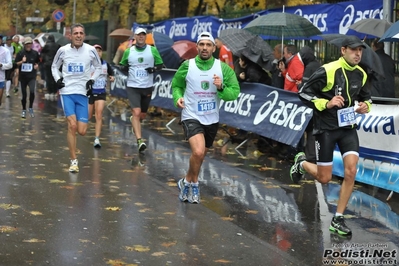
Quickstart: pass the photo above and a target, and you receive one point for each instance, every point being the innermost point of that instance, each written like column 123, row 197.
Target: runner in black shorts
column 97, row 95
column 336, row 92
column 198, row 85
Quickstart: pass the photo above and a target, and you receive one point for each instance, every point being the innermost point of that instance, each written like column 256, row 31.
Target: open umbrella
column 259, row 52
column 185, row 49
column 42, row 37
column 164, row 44
column 91, row 38
column 392, row 34
column 63, row 41
column 284, row 25
column 235, row 39
column 31, row 35
column 121, row 33
column 371, row 26
column 369, row 58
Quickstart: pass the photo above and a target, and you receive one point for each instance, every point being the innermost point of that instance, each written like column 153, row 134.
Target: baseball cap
column 98, row 46
column 140, row 30
column 206, row 36
column 28, row 40
column 9, row 38
column 352, row 42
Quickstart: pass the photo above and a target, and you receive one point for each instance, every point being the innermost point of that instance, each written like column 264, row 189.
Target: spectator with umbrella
column 292, row 68
column 277, row 76
column 383, row 87
column 47, row 55
column 225, row 55
column 251, row 72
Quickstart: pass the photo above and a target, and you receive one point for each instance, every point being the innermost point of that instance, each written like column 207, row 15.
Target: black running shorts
column 96, row 97
column 346, row 139
column 193, row 127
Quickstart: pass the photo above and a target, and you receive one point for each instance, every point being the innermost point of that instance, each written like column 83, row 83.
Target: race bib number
column 75, row 68
column 346, row 117
column 26, row 67
column 141, row 73
column 99, row 84
column 206, row 107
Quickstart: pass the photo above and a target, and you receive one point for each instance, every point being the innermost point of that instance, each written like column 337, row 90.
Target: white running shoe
column 97, row 143
column 74, row 168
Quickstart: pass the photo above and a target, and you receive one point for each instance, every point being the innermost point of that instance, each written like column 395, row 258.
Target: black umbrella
column 259, row 52
column 235, row 39
column 91, row 38
column 164, row 44
column 63, row 41
column 369, row 58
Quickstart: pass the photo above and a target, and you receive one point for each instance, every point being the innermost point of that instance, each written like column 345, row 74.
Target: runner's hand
column 60, row 83
column 150, row 70
column 89, row 87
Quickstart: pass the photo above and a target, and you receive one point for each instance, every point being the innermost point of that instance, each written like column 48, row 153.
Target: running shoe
column 195, row 195
column 296, row 172
column 74, row 168
column 141, row 144
column 16, row 90
column 97, row 143
column 184, row 190
column 31, row 112
column 338, row 225
column 23, row 114
column 8, row 95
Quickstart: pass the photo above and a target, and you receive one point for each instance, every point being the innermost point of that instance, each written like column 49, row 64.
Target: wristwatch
column 221, row 88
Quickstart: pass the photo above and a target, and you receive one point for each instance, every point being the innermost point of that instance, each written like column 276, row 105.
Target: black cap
column 352, row 42
column 9, row 38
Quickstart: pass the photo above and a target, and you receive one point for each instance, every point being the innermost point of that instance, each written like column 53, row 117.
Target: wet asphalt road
column 122, row 207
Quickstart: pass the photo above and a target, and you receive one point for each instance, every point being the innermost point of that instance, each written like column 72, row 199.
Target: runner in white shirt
column 5, row 64
column 76, row 60
column 9, row 72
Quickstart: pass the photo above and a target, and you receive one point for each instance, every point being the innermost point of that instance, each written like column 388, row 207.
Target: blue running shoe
column 194, row 197
column 184, row 190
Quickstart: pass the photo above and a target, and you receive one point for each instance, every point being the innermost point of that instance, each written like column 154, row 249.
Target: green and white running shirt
column 138, row 60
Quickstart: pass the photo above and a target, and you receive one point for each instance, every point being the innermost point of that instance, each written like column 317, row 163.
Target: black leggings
column 31, row 83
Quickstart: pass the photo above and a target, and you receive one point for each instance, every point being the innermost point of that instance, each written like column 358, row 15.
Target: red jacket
column 293, row 73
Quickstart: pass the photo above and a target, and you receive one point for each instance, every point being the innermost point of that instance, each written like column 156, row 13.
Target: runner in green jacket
column 198, row 86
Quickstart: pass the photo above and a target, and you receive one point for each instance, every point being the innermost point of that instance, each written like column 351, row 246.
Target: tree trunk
column 198, row 9
column 151, row 11
column 133, row 6
column 178, row 8
column 113, row 24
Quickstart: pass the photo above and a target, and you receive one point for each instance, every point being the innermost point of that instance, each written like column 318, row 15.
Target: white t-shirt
column 6, row 61
column 76, row 67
